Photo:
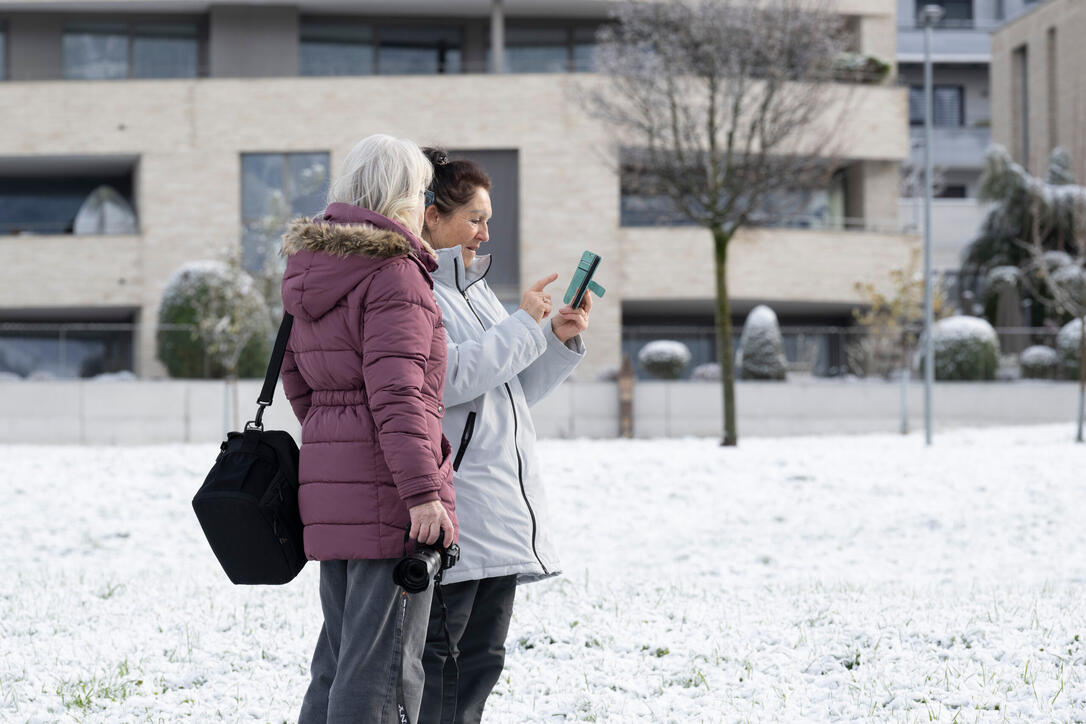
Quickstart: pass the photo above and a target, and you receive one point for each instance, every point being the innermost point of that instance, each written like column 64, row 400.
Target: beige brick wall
column 773, row 265
column 189, row 134
column 1067, row 105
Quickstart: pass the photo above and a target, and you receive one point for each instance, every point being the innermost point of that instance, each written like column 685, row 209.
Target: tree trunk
column 724, row 336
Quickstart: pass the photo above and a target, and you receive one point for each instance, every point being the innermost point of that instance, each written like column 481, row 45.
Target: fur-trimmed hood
column 331, row 254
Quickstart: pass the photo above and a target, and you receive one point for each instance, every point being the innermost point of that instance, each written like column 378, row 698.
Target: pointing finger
column 538, row 286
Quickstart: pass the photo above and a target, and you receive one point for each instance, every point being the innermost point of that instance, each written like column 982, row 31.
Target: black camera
column 415, row 571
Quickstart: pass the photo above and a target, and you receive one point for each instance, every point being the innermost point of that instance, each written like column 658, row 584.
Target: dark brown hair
column 455, row 181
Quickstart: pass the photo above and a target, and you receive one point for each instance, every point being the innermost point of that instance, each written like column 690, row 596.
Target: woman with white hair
column 364, row 372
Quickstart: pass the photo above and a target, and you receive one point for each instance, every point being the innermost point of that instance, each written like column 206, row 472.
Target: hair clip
column 442, row 158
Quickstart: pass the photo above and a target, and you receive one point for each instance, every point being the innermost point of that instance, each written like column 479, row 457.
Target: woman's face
column 465, row 226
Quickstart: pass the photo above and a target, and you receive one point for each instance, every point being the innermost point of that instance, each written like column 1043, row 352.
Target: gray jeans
column 370, row 625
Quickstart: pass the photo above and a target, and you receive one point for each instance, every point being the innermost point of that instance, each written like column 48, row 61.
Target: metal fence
column 834, row 351
column 81, row 350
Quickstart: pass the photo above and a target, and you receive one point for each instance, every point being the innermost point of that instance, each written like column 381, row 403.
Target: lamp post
column 929, row 16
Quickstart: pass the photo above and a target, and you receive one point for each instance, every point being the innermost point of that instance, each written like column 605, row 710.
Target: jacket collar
column 346, row 230
column 451, row 270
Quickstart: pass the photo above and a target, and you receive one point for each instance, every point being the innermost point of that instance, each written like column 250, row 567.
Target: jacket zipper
column 516, row 425
column 469, row 429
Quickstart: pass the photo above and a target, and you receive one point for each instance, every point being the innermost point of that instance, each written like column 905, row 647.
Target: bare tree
column 722, row 107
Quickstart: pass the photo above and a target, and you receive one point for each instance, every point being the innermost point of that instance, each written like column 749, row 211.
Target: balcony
column 949, row 45
column 958, row 147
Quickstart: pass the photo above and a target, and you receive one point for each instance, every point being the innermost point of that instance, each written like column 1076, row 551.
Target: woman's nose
column 484, row 233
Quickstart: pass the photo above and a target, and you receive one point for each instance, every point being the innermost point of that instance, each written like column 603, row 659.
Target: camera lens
column 415, row 572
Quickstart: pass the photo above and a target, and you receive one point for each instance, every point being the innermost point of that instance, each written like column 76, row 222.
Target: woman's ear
column 430, row 217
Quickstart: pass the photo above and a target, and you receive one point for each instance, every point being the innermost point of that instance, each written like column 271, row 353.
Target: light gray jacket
column 499, row 365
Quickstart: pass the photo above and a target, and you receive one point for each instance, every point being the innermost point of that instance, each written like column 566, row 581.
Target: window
column 105, row 51
column 41, row 195
column 643, row 204
column 534, row 49
column 413, row 50
column 3, row 53
column 952, row 191
column 1020, row 102
column 67, row 348
column 276, row 187
column 537, row 50
column 958, row 12
column 584, row 50
column 327, row 49
column 948, row 105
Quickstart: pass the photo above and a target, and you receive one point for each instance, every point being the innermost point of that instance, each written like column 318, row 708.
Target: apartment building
column 962, row 118
column 1038, row 100
column 139, row 135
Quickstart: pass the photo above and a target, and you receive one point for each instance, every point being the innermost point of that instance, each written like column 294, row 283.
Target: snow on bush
column 1039, row 362
column 6, row 376
column 1071, row 279
column 664, row 358
column 709, row 372
column 122, row 376
column 1067, row 345
column 1000, row 277
column 229, row 318
column 966, row 348
column 761, row 351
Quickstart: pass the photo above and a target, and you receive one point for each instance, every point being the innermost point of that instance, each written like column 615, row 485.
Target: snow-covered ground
column 810, row 579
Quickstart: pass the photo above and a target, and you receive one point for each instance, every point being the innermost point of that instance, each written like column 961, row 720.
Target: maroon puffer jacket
column 364, row 372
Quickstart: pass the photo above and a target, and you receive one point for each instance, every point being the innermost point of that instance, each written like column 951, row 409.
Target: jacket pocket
column 465, row 440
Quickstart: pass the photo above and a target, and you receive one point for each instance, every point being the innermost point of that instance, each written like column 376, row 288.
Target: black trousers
column 478, row 619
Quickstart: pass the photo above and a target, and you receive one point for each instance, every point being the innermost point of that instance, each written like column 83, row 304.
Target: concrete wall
column 954, row 223
column 109, row 413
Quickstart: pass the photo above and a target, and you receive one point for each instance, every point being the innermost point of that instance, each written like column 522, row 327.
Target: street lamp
column 929, row 16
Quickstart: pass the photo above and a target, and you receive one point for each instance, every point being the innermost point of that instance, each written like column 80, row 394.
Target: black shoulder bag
column 248, row 504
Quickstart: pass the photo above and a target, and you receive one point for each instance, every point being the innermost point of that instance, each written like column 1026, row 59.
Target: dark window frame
column 5, row 55
column 377, row 25
column 199, row 23
column 570, row 41
column 919, row 122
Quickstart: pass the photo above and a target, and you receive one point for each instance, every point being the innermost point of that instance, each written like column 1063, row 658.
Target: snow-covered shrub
column 999, row 278
column 607, row 374
column 6, row 376
column 664, row 358
column 122, row 376
column 761, row 350
column 229, row 320
column 708, row 372
column 1039, row 362
column 966, row 348
column 1067, row 345
column 42, row 376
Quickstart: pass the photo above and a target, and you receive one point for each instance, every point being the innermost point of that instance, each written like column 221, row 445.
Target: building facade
column 962, row 117
column 139, row 136
column 1038, row 101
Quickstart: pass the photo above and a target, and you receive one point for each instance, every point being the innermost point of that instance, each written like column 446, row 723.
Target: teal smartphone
column 582, row 281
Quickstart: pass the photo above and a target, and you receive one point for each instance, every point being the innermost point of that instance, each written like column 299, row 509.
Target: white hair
column 386, row 175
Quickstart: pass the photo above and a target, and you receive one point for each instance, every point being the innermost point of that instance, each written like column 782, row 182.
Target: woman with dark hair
column 498, row 366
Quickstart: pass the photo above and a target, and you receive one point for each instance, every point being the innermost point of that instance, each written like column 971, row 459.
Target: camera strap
column 450, row 671
column 401, row 702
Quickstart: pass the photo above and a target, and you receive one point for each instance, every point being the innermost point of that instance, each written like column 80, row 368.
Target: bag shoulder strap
column 275, row 364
